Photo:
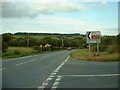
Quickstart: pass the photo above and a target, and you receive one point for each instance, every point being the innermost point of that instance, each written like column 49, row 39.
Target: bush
column 4, row 47
column 93, row 48
column 38, row 49
column 57, row 48
column 46, row 49
column 112, row 49
column 16, row 52
column 103, row 48
column 6, row 54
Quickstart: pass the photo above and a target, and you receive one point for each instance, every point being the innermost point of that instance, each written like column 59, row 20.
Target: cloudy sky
column 59, row 16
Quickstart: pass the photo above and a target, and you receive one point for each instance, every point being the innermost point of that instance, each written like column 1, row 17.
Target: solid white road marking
column 59, row 67
column 67, row 58
column 104, row 75
column 62, row 64
column 57, row 81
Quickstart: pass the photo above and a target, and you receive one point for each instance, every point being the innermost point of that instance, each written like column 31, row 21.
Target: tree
column 4, row 46
column 7, row 37
column 13, row 42
column 33, row 41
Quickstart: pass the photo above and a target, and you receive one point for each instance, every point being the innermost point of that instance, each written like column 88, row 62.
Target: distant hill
column 42, row 35
column 35, row 34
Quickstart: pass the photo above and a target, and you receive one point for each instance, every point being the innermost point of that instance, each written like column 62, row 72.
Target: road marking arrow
column 89, row 35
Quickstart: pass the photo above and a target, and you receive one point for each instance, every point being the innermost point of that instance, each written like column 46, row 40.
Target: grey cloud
column 10, row 10
column 20, row 9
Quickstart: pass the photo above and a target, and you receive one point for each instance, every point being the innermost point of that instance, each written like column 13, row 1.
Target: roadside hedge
column 39, row 49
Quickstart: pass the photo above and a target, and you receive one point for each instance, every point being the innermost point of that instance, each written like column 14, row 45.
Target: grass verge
column 83, row 54
column 15, row 52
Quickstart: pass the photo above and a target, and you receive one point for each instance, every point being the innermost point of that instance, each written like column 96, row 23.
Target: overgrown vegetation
column 55, row 41
column 13, row 52
column 109, row 50
column 34, row 40
column 108, row 45
column 103, row 56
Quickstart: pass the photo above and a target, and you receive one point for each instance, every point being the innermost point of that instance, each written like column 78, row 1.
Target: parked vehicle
column 69, row 48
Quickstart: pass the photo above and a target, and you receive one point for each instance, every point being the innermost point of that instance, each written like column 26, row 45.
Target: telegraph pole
column 62, row 42
column 28, row 41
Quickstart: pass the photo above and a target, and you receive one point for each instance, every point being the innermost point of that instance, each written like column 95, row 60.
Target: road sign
column 41, row 45
column 93, row 37
column 47, row 45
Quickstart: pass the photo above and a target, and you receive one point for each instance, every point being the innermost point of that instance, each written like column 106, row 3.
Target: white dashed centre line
column 25, row 62
column 49, row 79
column 53, row 75
column 57, row 81
column 45, row 83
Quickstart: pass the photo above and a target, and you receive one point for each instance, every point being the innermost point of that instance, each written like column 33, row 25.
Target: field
column 15, row 52
column 18, row 43
column 83, row 54
column 37, row 37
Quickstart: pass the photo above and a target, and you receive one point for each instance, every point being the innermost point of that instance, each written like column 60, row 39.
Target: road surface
column 58, row 70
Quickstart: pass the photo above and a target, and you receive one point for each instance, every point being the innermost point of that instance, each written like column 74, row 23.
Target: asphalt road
column 58, row 70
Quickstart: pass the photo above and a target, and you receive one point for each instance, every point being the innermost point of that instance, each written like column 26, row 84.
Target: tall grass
column 18, row 52
column 103, row 56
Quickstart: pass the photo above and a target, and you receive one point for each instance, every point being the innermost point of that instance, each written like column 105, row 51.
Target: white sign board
column 93, row 36
column 41, row 45
column 47, row 45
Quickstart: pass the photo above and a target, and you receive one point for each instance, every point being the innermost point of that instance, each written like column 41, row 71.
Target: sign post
column 93, row 37
column 41, row 47
column 48, row 45
column 97, row 47
column 89, row 47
